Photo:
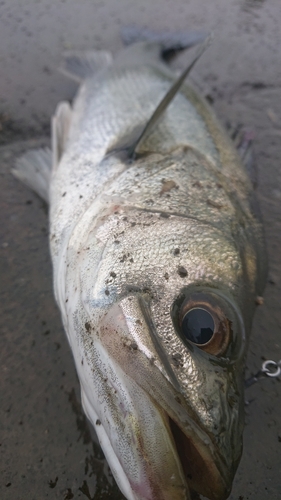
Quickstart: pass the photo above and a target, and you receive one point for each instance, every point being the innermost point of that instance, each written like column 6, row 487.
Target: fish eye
column 198, row 326
column 203, row 322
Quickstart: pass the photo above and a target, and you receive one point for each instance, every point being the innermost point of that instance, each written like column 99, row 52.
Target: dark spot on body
column 133, row 224
column 134, row 346
column 28, row 202
column 133, row 288
column 178, row 399
column 177, row 359
column 139, row 322
column 46, row 332
column 166, row 276
column 167, row 185
column 176, row 251
column 81, row 196
column 197, row 184
column 116, row 241
column 88, row 326
column 132, row 260
column 182, row 272
column 63, row 194
column 8, row 485
column 113, row 274
column 98, row 422
column 106, row 292
column 164, row 215
column 124, row 257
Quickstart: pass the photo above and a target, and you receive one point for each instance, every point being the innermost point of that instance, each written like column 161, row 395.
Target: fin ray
column 132, row 34
column 80, row 65
column 158, row 113
column 33, row 169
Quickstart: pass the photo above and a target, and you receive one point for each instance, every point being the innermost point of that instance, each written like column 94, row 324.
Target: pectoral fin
column 33, row 169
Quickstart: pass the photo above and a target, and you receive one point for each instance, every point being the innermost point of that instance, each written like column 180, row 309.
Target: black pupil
column 198, row 326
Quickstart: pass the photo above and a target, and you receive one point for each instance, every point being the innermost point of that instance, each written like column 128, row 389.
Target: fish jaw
column 198, row 460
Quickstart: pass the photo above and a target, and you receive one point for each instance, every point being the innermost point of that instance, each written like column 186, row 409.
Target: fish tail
column 33, row 169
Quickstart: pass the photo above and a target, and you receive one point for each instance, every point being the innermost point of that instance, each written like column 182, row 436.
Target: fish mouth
column 201, row 474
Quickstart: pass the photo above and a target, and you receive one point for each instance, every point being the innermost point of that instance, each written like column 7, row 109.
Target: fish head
column 164, row 323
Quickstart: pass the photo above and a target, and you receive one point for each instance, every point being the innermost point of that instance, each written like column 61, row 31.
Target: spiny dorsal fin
column 80, row 65
column 169, row 41
column 158, row 113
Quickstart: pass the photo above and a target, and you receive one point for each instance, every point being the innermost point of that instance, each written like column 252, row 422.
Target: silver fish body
column 136, row 247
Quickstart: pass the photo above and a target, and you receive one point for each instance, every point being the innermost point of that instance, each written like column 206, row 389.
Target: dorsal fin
column 169, row 42
column 79, row 65
column 158, row 113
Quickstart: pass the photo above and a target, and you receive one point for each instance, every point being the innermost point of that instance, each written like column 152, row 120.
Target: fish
column 158, row 256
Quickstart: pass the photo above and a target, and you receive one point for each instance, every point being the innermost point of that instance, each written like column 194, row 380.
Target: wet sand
column 46, row 447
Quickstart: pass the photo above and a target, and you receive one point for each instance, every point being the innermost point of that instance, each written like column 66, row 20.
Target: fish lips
column 126, row 335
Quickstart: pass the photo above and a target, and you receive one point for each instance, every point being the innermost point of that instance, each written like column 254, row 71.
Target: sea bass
column 158, row 257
